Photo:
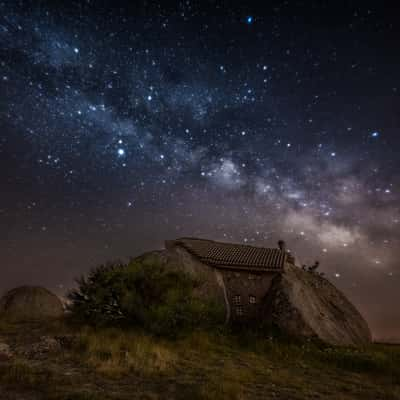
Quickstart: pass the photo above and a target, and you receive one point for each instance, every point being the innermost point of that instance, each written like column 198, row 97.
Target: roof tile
column 225, row 255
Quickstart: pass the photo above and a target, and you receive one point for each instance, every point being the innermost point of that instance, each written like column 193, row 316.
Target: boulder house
column 245, row 273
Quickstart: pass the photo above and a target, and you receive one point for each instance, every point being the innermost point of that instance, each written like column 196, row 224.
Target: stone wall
column 246, row 291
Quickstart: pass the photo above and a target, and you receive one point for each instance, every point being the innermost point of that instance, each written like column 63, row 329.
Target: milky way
column 121, row 128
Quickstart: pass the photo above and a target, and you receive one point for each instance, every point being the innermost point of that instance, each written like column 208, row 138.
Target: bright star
column 121, row 152
column 249, row 19
column 375, row 134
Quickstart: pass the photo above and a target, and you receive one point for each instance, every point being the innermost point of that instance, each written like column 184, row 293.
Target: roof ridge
column 226, row 243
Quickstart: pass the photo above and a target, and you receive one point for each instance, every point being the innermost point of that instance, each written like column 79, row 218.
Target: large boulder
column 305, row 304
column 209, row 285
column 30, row 303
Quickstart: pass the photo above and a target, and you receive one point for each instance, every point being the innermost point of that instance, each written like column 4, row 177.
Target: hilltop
column 56, row 361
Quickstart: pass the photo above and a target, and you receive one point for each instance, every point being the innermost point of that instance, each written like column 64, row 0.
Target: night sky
column 124, row 126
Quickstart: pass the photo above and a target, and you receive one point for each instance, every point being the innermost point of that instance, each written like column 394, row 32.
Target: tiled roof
column 226, row 255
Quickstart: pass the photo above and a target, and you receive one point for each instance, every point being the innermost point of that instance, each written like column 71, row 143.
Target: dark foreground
column 54, row 362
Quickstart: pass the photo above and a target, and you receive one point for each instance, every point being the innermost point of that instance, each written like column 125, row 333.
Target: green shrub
column 150, row 296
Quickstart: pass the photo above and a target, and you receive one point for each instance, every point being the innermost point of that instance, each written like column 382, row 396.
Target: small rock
column 46, row 345
column 67, row 341
column 49, row 344
column 5, row 352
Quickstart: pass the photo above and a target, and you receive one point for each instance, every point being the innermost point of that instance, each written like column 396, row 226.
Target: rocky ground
column 57, row 362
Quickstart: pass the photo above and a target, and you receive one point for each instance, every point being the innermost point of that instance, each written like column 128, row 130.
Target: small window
column 252, row 299
column 239, row 310
column 237, row 300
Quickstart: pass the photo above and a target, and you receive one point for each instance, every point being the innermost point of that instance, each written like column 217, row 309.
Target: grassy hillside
column 114, row 364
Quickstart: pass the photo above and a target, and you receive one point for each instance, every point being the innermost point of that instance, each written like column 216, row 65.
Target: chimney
column 282, row 245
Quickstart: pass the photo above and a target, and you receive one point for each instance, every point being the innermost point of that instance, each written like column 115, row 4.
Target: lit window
column 252, row 299
column 237, row 300
column 239, row 310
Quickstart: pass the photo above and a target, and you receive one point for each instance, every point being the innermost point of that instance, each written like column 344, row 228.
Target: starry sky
column 125, row 125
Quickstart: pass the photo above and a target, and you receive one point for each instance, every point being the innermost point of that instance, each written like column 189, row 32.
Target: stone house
column 243, row 274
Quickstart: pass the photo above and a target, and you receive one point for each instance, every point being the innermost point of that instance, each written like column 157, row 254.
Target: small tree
column 314, row 267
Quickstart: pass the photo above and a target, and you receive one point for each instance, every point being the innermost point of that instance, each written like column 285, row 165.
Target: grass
column 115, row 364
column 116, row 353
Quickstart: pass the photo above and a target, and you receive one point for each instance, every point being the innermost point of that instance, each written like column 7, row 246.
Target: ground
column 59, row 362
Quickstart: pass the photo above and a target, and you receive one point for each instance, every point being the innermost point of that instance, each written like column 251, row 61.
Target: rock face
column 304, row 304
column 300, row 303
column 210, row 287
column 30, row 303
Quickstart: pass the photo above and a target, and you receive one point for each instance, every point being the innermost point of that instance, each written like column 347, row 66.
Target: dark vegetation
column 138, row 332
column 144, row 295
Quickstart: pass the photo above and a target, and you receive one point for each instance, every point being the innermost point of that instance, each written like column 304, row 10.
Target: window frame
column 239, row 310
column 237, row 300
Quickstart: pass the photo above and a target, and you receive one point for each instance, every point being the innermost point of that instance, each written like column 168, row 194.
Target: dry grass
column 110, row 364
column 117, row 353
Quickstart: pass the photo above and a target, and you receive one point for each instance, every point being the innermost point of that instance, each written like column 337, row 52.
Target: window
column 237, row 300
column 252, row 299
column 239, row 310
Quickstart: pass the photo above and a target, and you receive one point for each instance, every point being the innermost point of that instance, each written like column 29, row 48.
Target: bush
column 151, row 296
